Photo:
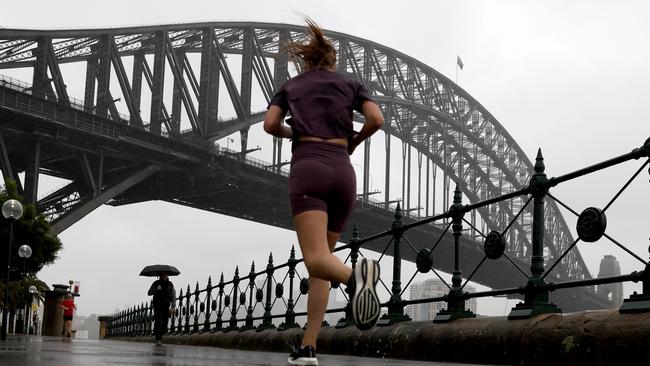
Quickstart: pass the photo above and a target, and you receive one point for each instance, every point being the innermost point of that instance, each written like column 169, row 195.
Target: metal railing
column 47, row 105
column 258, row 300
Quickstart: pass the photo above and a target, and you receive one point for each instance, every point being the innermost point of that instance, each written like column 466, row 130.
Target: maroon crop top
column 321, row 103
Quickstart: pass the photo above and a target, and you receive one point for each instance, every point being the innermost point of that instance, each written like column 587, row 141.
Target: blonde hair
column 319, row 53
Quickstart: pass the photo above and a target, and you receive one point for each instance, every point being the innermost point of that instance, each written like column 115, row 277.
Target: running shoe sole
column 365, row 303
column 304, row 361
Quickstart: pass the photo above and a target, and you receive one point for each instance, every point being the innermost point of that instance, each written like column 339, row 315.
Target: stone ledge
column 583, row 338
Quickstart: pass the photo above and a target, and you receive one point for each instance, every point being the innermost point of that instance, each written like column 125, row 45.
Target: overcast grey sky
column 571, row 77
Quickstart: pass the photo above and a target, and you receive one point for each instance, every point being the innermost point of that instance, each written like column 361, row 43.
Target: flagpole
column 457, row 69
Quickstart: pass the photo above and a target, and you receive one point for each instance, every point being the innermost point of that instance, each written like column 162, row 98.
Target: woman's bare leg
column 67, row 328
column 317, row 244
column 311, row 227
column 319, row 291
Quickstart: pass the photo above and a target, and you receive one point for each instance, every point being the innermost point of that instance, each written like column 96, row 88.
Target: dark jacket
column 163, row 293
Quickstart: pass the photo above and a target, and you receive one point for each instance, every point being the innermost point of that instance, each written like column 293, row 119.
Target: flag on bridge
column 459, row 62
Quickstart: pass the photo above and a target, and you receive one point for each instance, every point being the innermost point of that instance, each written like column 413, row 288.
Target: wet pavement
column 34, row 350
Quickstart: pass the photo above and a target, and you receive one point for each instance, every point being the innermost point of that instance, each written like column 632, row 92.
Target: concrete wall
column 584, row 338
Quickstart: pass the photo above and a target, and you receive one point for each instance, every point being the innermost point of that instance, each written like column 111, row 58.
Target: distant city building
column 609, row 266
column 432, row 288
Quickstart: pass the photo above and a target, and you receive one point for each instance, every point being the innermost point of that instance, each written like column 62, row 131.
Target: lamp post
column 11, row 210
column 24, row 252
column 32, row 290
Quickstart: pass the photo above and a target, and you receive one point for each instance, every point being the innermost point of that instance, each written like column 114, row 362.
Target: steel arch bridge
column 426, row 114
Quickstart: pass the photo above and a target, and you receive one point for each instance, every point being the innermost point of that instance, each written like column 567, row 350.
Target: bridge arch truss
column 432, row 117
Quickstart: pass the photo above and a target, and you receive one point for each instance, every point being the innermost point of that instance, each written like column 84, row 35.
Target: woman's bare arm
column 273, row 123
column 374, row 121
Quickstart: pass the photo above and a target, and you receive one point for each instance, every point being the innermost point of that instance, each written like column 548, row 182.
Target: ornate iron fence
column 231, row 305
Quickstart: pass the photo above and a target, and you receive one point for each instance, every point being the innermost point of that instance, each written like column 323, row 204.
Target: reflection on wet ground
column 23, row 351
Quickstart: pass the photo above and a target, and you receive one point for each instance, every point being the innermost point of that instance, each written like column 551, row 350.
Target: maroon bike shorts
column 322, row 179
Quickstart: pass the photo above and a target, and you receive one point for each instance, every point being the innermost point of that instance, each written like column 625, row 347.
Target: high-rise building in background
column 609, row 266
column 432, row 288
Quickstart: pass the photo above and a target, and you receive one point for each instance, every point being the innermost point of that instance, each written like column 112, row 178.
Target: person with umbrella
column 164, row 297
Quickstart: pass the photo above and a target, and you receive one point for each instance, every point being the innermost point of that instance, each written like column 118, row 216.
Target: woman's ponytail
column 319, row 53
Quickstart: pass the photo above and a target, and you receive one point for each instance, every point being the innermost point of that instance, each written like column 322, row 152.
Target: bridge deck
column 52, row 351
column 199, row 177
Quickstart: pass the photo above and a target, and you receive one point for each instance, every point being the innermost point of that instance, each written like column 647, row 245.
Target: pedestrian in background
column 322, row 181
column 164, row 298
column 68, row 307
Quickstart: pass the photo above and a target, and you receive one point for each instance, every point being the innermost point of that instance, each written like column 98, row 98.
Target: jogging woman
column 322, row 182
column 68, row 307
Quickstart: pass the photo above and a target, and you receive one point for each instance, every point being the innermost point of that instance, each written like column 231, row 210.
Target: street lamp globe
column 12, row 209
column 32, row 289
column 25, row 251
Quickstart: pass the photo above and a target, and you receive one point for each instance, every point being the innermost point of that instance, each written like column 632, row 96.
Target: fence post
column 177, row 308
column 639, row 303
column 179, row 313
column 249, row 313
column 136, row 320
column 195, row 309
column 395, row 305
column 186, row 330
column 232, row 325
column 267, row 322
column 131, row 322
column 536, row 295
column 113, row 328
column 122, row 324
column 219, row 323
column 145, row 318
column 142, row 319
column 208, row 309
column 347, row 320
column 149, row 317
column 455, row 303
column 290, row 316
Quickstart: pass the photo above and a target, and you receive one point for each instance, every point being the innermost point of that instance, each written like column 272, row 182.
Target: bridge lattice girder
column 422, row 107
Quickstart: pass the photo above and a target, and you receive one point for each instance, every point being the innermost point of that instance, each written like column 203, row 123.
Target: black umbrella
column 156, row 269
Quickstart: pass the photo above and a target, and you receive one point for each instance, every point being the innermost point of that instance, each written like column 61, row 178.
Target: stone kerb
column 586, row 338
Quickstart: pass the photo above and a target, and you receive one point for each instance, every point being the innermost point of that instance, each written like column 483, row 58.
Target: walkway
column 52, row 351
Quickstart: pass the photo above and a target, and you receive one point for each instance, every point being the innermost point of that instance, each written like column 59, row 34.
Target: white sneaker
column 365, row 303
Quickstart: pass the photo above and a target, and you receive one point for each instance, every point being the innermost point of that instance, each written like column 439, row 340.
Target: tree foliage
column 31, row 229
column 19, row 294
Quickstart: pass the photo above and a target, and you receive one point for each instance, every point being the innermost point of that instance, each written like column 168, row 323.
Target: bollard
column 52, row 313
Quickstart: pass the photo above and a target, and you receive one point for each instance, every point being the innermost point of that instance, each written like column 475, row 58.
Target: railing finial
column 539, row 162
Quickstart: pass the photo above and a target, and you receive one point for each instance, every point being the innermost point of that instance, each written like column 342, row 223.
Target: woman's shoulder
column 324, row 76
column 345, row 78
